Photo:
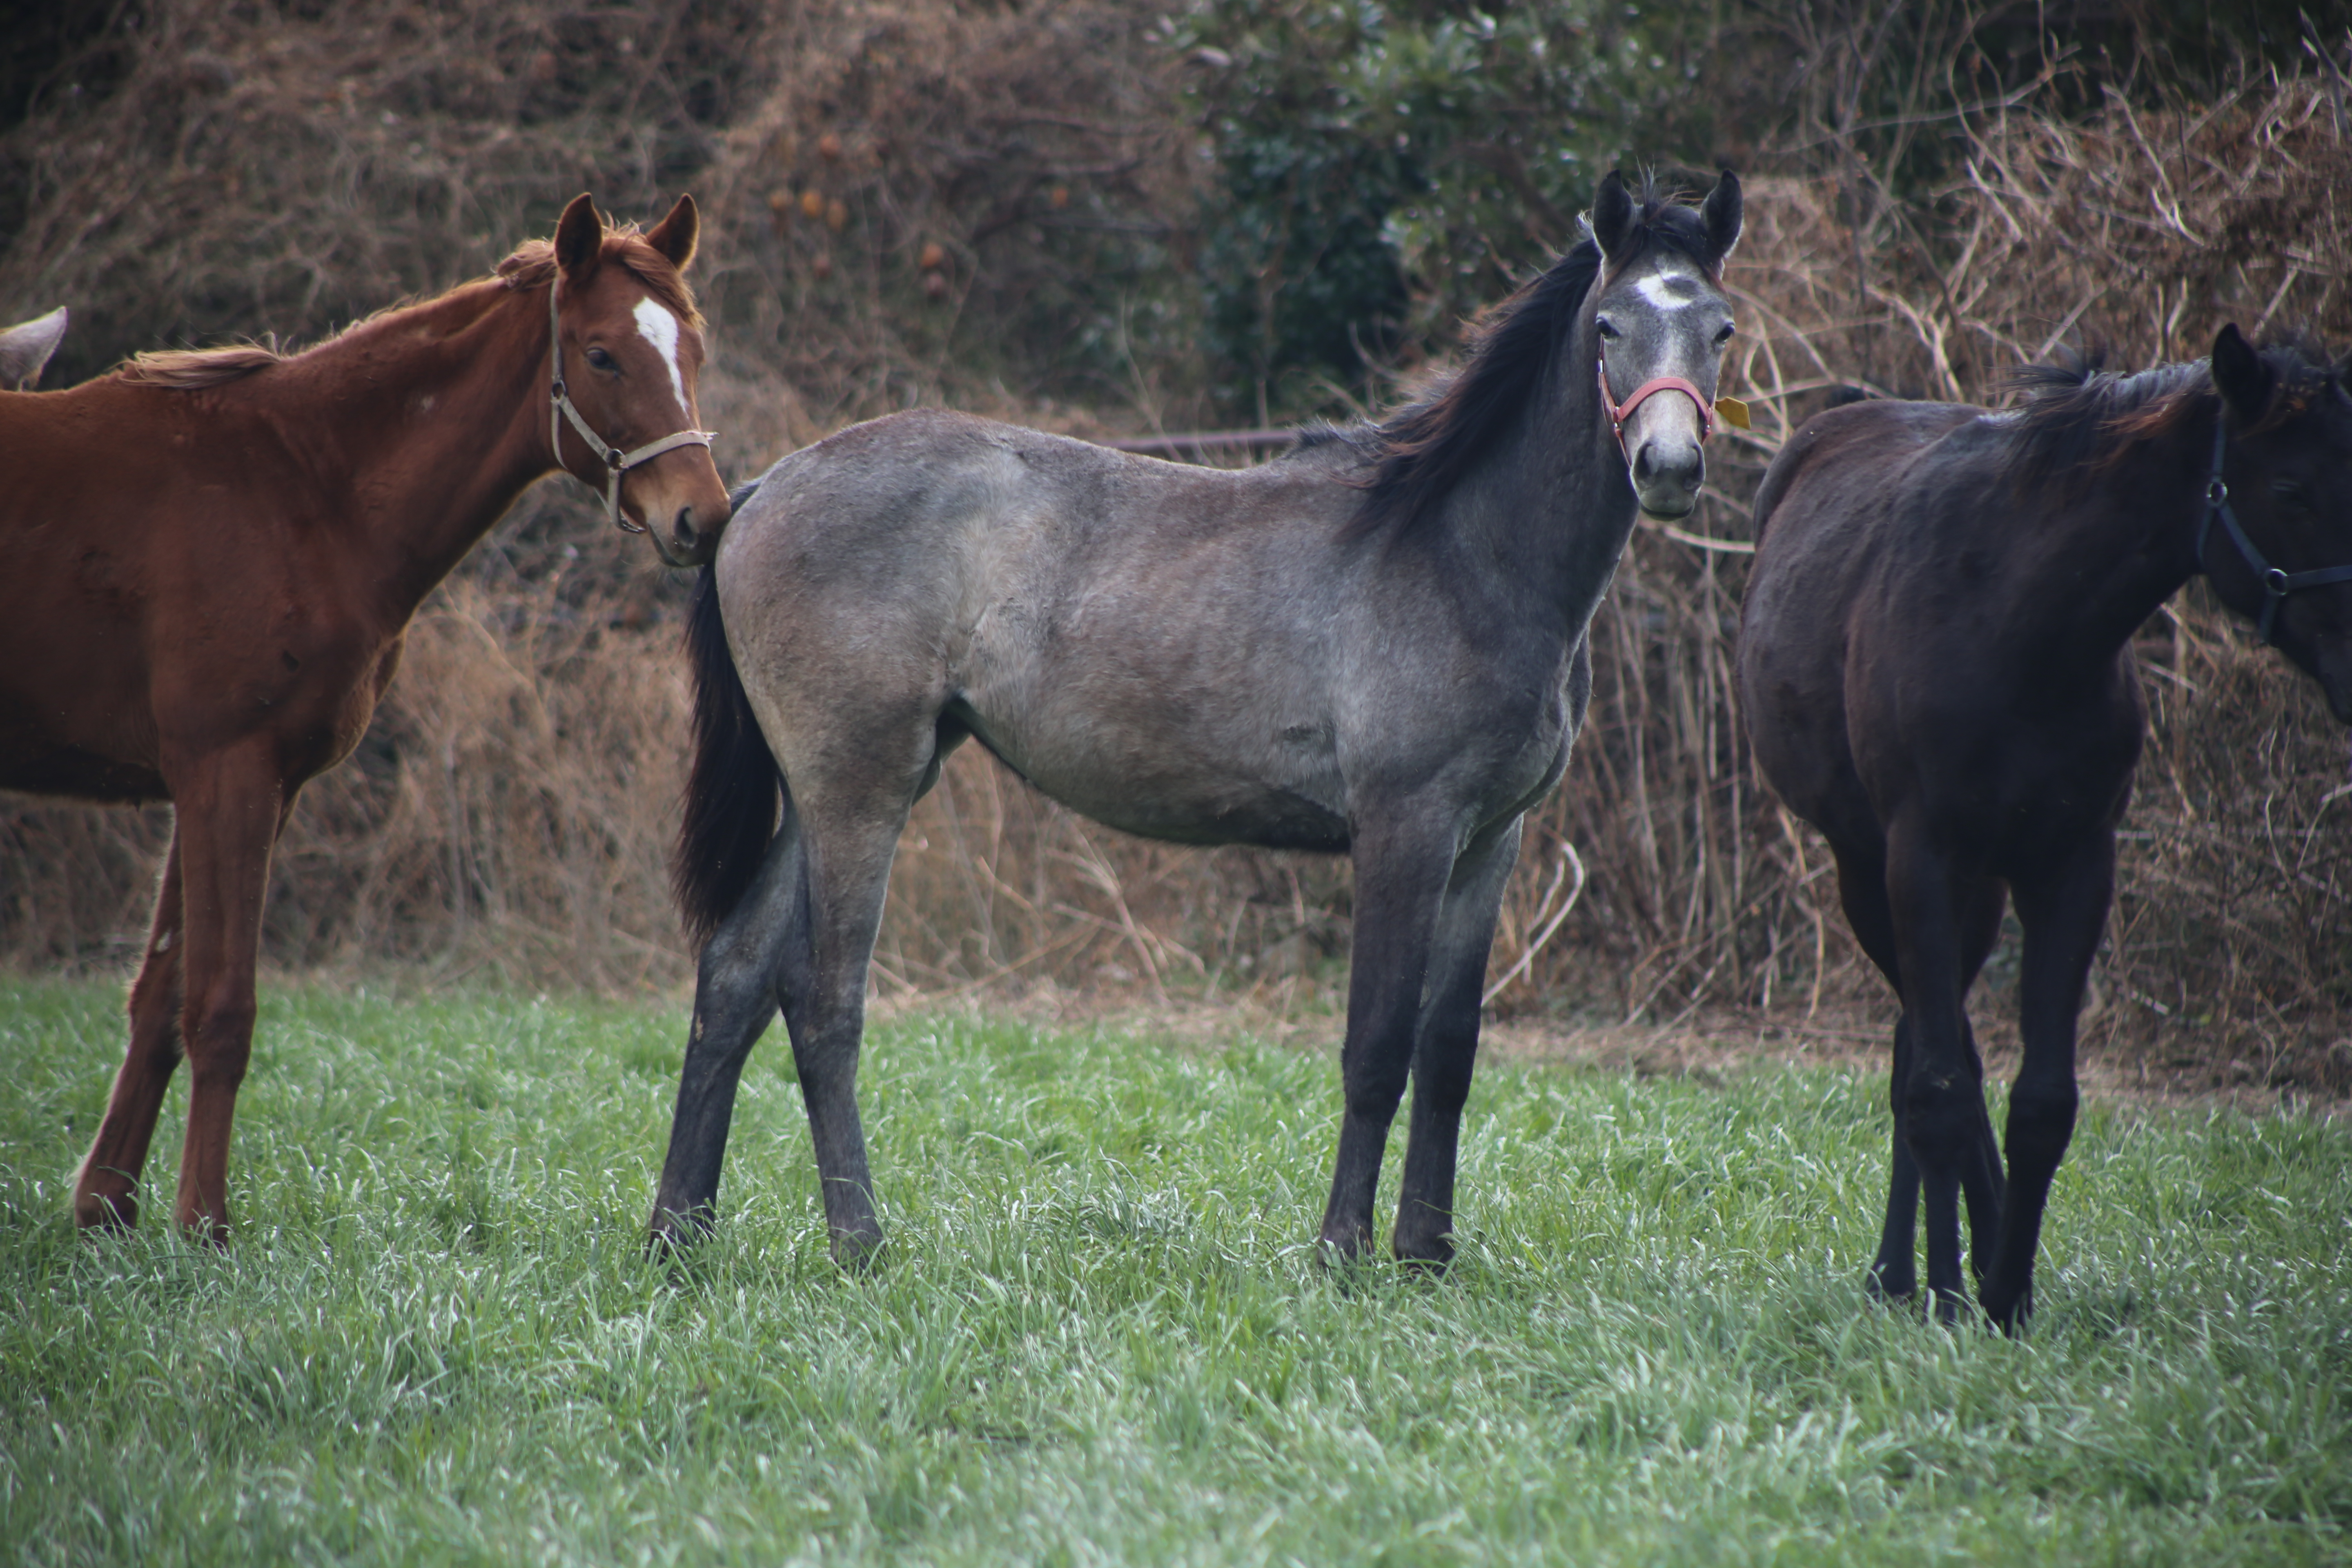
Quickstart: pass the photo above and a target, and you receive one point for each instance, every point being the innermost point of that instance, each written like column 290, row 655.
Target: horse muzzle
column 1666, row 474
column 689, row 535
column 685, row 520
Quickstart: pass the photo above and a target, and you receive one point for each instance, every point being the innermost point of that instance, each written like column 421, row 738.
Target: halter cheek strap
column 616, row 462
column 1619, row 411
column 2276, row 583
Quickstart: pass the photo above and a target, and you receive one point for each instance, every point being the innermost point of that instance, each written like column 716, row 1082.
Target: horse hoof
column 1889, row 1289
column 1947, row 1307
column 1343, row 1248
column 671, row 1233
column 1427, row 1256
column 857, row 1251
column 2008, row 1314
column 96, row 1211
column 203, row 1230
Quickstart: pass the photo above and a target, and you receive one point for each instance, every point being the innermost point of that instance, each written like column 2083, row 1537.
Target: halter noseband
column 2276, row 583
column 616, row 462
column 1619, row 411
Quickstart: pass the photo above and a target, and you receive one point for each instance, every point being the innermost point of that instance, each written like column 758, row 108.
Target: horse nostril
column 684, row 531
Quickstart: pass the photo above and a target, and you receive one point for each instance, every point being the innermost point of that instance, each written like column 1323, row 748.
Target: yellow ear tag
column 1731, row 411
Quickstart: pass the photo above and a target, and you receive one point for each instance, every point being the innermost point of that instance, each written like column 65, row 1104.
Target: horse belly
column 1183, row 786
column 1266, row 818
column 38, row 767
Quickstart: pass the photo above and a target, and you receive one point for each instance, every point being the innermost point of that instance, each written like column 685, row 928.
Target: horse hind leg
column 1861, row 889
column 106, row 1188
column 849, row 854
column 1986, row 1184
column 1940, row 1098
column 738, row 985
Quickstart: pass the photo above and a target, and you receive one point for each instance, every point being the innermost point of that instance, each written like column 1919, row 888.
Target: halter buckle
column 2276, row 582
column 2216, row 492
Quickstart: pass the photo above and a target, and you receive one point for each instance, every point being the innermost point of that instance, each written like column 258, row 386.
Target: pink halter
column 1621, row 411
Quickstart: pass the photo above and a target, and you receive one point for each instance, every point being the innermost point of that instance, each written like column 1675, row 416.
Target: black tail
column 731, row 794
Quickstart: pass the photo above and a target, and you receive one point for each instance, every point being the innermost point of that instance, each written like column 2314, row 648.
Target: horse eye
column 2290, row 492
column 601, row 359
column 1608, row 328
column 1724, row 336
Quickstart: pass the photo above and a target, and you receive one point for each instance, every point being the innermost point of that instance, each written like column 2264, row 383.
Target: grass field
column 1099, row 1335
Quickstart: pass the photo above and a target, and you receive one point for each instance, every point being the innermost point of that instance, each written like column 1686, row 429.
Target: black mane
column 1421, row 451
column 2078, row 417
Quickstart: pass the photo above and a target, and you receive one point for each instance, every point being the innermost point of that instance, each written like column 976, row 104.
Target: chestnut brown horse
column 213, row 556
column 1936, row 668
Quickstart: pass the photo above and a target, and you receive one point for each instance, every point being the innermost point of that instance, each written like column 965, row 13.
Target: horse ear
column 673, row 236
column 579, row 240
column 1720, row 213
column 1612, row 214
column 2240, row 375
column 27, row 347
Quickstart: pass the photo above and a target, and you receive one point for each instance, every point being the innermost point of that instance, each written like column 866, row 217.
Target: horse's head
column 2276, row 539
column 1661, row 320
column 628, row 352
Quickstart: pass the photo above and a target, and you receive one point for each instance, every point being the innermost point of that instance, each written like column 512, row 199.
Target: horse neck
column 437, row 417
column 1551, row 506
column 2114, row 555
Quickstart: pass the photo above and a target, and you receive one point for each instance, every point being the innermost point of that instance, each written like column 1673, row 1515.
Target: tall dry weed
column 886, row 186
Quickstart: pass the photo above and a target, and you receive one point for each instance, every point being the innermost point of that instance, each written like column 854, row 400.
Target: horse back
column 1859, row 448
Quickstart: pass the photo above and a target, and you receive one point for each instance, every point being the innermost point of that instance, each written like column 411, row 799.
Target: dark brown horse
column 1935, row 671
column 212, row 558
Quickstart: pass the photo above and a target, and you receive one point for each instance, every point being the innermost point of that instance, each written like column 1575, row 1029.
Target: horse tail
column 732, row 790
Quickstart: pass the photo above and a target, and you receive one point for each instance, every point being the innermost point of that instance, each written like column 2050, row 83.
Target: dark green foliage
column 1383, row 171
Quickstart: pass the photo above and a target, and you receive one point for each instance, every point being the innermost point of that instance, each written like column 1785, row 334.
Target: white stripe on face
column 659, row 328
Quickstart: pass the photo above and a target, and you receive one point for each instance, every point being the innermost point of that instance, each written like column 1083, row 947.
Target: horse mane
column 1423, row 450
column 2079, row 418
column 192, row 370
column 532, row 265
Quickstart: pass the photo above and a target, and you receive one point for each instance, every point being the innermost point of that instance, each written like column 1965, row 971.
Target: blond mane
column 532, row 265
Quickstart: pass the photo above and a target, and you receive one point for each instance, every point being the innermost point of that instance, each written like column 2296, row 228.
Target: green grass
column 1099, row 1335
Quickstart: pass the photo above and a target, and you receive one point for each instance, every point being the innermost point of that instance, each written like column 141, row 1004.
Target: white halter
column 616, row 462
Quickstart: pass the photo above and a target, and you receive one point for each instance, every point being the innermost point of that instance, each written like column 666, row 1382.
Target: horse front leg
column 106, row 1188
column 1446, row 1048
column 1402, row 867
column 740, row 980
column 229, row 809
column 2064, row 916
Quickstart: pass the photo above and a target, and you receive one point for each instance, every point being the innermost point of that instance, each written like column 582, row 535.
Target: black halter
column 2276, row 583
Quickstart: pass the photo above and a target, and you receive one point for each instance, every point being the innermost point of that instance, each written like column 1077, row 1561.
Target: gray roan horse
column 1374, row 645
column 1935, row 664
